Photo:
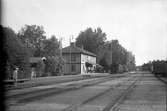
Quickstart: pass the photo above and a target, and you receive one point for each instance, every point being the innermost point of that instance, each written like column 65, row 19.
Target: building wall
column 84, row 59
column 87, row 58
column 78, row 63
column 83, row 68
column 67, row 58
column 67, row 68
column 72, row 64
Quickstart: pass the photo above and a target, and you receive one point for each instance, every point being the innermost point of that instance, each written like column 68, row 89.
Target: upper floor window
column 73, row 57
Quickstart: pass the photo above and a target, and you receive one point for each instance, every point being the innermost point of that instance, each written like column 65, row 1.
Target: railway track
column 42, row 93
column 112, row 103
column 126, row 84
column 122, row 93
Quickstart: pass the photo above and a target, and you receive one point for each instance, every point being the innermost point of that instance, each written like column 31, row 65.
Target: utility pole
column 71, row 37
column 111, row 60
column 70, row 55
column 60, row 46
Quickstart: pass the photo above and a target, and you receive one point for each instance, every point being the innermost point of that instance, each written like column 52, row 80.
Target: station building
column 77, row 60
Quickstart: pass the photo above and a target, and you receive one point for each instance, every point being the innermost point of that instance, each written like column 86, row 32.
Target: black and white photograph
column 84, row 55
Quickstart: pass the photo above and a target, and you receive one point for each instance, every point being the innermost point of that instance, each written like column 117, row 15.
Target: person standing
column 15, row 75
column 33, row 74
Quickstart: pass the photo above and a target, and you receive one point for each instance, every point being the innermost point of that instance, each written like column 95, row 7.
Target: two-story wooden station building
column 77, row 60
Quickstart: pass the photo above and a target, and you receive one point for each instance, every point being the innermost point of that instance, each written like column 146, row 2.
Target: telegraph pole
column 60, row 46
column 71, row 37
column 70, row 55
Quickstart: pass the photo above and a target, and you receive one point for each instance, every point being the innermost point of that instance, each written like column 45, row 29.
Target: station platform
column 40, row 81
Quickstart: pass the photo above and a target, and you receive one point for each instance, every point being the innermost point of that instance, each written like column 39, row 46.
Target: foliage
column 54, row 65
column 103, row 62
column 117, row 56
column 99, row 68
column 52, row 52
column 40, row 68
column 106, row 56
column 146, row 66
column 118, row 53
column 17, row 53
column 32, row 37
column 130, row 63
column 51, row 47
column 91, row 40
column 31, row 41
column 110, row 54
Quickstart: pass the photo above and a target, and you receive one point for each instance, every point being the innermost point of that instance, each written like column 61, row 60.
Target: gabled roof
column 76, row 50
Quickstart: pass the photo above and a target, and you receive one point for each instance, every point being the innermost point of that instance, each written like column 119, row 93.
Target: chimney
column 72, row 44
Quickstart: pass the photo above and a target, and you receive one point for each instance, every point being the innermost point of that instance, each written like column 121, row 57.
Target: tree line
column 31, row 41
column 110, row 54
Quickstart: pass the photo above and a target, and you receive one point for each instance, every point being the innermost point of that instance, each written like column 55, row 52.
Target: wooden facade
column 76, row 59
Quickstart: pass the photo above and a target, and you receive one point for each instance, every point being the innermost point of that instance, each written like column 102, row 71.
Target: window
column 73, row 68
column 73, row 58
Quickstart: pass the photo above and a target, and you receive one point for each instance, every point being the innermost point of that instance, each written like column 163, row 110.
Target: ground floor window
column 73, row 67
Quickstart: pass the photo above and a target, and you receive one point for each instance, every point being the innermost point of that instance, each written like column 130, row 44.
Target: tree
column 130, row 61
column 32, row 36
column 110, row 54
column 105, row 55
column 103, row 62
column 51, row 47
column 54, row 62
column 17, row 53
column 54, row 65
column 40, row 69
column 92, row 41
column 120, row 57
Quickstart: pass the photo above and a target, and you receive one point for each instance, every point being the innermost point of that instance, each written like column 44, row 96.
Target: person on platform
column 33, row 74
column 15, row 75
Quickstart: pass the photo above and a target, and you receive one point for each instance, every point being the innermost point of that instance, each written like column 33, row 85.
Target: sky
column 139, row 25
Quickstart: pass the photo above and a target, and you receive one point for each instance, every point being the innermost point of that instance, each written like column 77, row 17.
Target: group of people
column 15, row 75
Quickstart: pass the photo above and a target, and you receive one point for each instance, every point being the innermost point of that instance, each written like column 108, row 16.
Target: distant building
column 77, row 60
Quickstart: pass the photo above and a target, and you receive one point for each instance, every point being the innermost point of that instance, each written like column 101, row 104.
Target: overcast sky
column 139, row 25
